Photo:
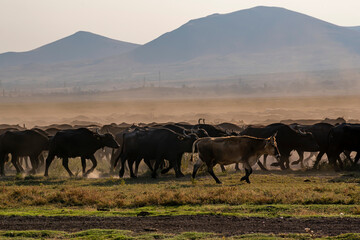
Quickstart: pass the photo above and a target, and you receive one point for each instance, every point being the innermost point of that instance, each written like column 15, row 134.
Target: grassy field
column 271, row 194
column 121, row 234
column 300, row 194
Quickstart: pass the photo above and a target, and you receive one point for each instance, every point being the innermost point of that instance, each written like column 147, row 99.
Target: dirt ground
column 224, row 225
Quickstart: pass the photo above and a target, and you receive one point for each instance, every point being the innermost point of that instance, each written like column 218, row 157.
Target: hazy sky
column 28, row 24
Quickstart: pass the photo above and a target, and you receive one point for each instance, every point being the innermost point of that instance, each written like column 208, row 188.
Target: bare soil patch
column 225, row 225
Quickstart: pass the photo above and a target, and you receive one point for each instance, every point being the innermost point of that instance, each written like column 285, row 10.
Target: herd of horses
column 162, row 145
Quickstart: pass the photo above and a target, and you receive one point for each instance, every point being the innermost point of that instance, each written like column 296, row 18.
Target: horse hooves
column 180, row 175
column 284, row 167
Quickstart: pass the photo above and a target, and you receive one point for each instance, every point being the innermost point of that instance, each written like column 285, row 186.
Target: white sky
column 28, row 24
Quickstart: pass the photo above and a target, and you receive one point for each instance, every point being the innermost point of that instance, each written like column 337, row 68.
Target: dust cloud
column 250, row 110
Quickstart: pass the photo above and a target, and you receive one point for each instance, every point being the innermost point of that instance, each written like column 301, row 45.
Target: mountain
column 255, row 30
column 79, row 46
column 257, row 48
column 357, row 28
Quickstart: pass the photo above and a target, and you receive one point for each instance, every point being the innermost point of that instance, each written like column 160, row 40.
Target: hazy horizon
column 40, row 22
column 261, row 49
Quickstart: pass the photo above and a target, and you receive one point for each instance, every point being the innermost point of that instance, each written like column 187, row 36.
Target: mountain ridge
column 78, row 46
column 202, row 36
column 209, row 50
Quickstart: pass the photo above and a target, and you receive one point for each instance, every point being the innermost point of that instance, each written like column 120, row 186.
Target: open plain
column 291, row 204
column 297, row 204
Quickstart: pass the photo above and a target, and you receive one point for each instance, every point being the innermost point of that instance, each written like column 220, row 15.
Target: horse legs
column 318, row 159
column 300, row 160
column 148, row 163
column 2, row 164
column 123, row 158
column 137, row 163
column 94, row 162
column 114, row 155
column 14, row 159
column 197, row 165
column 177, row 166
column 211, row 171
column 34, row 163
column 65, row 164
column 41, row 160
column 49, row 159
column 83, row 165
column 165, row 170
column 158, row 161
column 312, row 154
column 265, row 160
column 283, row 159
column 26, row 162
column 131, row 163
column 237, row 167
column 19, row 162
column 248, row 171
column 357, row 157
column 261, row 165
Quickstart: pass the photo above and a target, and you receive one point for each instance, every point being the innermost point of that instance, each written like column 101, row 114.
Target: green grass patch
column 128, row 235
column 31, row 234
column 246, row 210
column 100, row 234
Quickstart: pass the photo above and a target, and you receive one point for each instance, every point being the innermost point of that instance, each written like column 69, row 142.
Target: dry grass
column 116, row 193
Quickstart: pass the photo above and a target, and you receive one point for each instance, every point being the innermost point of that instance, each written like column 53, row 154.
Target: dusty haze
column 91, row 109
